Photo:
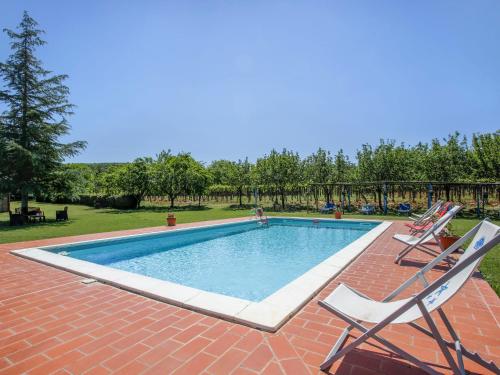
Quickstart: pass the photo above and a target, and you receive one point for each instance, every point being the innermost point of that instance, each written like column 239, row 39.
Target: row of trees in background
column 278, row 173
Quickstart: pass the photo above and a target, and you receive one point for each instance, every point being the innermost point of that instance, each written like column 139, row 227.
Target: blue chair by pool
column 367, row 209
column 328, row 208
column 404, row 209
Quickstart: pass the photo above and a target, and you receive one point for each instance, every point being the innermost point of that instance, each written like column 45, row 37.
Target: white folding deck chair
column 420, row 219
column 414, row 242
column 354, row 307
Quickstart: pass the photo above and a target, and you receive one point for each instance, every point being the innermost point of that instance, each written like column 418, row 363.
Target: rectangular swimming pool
column 243, row 260
column 247, row 263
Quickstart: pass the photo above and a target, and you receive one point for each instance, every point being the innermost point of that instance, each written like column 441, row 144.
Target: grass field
column 84, row 220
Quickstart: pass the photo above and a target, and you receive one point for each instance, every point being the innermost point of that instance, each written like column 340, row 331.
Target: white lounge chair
column 422, row 218
column 354, row 307
column 413, row 242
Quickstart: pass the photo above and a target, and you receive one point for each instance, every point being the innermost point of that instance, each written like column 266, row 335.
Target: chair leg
column 338, row 346
column 439, row 339
column 456, row 339
column 403, row 253
column 457, row 346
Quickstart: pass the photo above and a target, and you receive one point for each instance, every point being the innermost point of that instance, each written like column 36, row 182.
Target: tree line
column 277, row 173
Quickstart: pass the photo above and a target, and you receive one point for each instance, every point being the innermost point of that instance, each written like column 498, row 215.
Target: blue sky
column 229, row 79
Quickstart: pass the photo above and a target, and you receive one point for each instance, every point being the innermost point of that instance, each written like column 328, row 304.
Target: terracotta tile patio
column 51, row 323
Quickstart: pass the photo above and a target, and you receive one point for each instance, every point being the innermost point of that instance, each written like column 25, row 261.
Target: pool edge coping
column 268, row 315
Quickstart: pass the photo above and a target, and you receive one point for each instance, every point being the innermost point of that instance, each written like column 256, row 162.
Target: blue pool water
column 243, row 260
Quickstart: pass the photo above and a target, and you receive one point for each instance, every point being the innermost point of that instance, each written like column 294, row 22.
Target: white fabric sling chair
column 354, row 307
column 413, row 242
column 421, row 219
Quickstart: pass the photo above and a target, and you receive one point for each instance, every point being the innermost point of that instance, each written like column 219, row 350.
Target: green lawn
column 84, row 220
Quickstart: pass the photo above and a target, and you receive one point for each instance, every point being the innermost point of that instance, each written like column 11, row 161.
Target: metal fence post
column 343, row 200
column 485, row 199
column 429, row 196
column 385, row 198
column 307, row 198
column 256, row 197
column 349, row 199
column 479, row 190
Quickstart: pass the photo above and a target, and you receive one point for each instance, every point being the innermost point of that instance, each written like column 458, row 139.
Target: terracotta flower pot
column 338, row 215
column 447, row 241
column 171, row 220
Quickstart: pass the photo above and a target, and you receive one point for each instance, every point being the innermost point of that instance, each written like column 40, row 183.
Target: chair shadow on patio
column 443, row 267
column 377, row 360
column 418, row 264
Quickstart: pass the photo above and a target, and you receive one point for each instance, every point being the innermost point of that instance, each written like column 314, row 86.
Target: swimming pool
column 243, row 264
column 243, row 260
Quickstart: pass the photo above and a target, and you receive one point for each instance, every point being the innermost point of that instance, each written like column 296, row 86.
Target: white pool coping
column 269, row 314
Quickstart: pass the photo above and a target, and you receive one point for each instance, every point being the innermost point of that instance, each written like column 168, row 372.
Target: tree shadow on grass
column 237, row 207
column 267, row 209
column 154, row 209
column 49, row 223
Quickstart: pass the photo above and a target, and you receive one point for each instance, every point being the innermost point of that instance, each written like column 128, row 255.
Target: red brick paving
column 50, row 323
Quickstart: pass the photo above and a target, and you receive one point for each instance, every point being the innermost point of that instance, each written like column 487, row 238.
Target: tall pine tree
column 36, row 114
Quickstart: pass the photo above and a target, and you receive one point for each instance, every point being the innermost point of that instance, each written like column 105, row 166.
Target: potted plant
column 171, row 220
column 338, row 214
column 447, row 238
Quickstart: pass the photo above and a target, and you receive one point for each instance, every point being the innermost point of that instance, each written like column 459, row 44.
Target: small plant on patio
column 446, row 237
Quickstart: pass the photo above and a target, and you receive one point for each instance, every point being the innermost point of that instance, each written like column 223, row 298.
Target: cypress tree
column 36, row 114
